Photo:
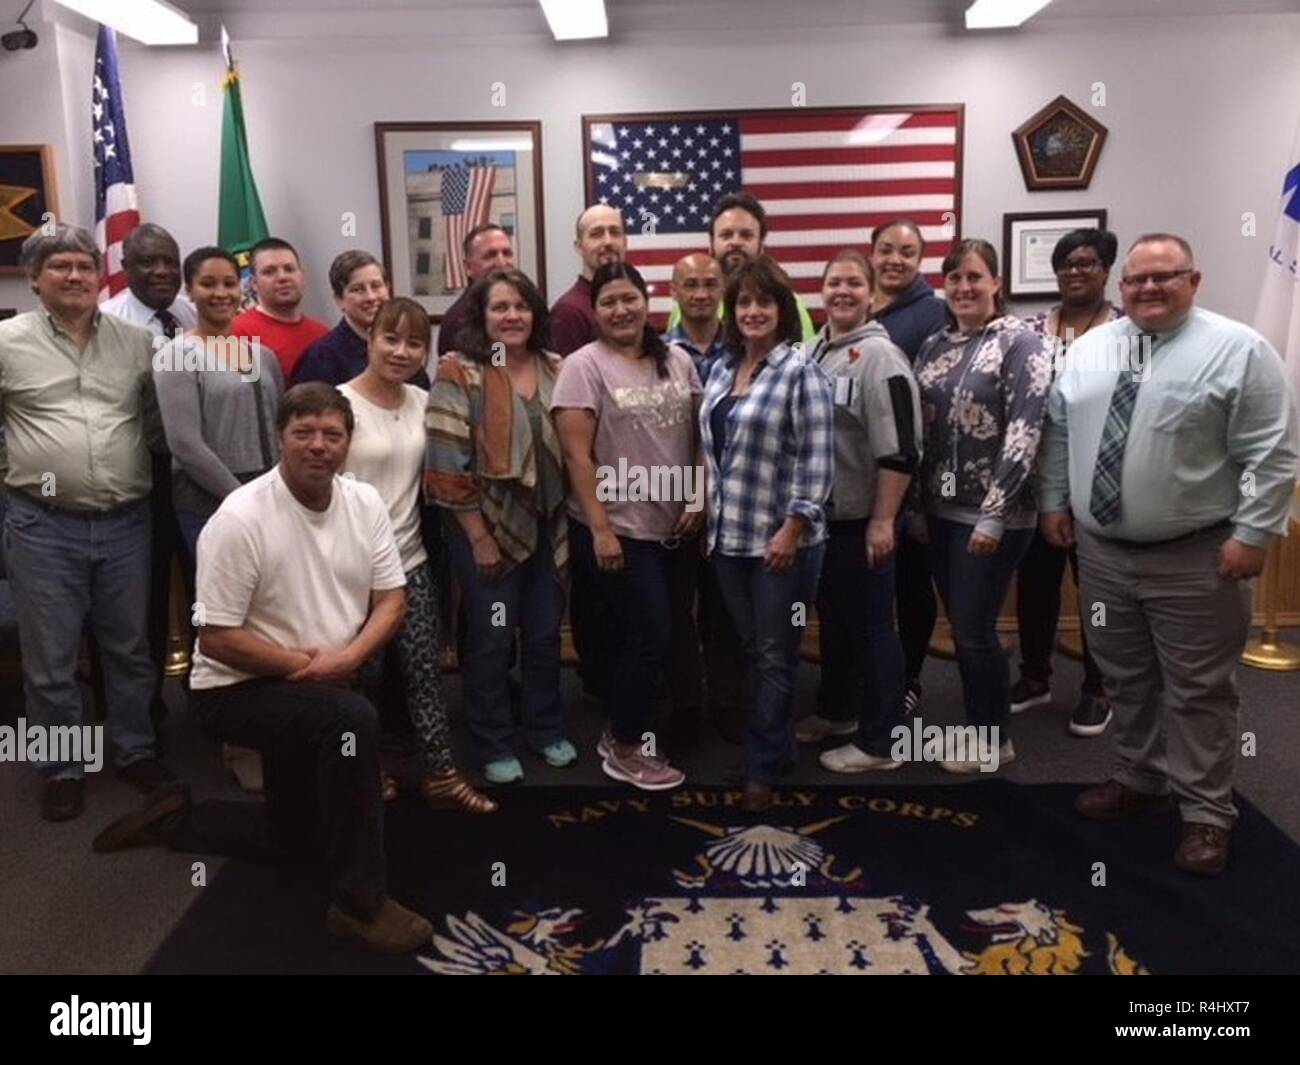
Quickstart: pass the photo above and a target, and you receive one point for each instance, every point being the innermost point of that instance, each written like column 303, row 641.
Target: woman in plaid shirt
column 769, row 449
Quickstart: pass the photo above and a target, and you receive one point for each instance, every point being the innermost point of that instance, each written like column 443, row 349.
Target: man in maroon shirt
column 487, row 248
column 277, row 321
column 601, row 239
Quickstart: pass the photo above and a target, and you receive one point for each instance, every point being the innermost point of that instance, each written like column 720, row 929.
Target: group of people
column 689, row 496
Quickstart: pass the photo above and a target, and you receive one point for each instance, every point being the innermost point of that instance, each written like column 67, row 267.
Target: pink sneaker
column 641, row 771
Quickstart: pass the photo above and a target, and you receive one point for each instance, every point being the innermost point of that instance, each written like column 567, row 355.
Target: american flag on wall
column 825, row 175
column 116, row 210
column 466, row 199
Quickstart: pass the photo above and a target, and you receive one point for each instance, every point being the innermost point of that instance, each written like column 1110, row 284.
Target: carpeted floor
column 68, row 910
column 874, row 879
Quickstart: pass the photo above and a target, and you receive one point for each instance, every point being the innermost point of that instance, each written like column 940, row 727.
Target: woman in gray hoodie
column 877, row 447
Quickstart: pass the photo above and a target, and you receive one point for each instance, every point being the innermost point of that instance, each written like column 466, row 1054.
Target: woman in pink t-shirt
column 626, row 407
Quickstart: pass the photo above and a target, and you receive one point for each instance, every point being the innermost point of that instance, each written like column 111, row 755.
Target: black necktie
column 169, row 323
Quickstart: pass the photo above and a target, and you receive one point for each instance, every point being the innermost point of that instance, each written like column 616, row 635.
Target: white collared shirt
column 129, row 307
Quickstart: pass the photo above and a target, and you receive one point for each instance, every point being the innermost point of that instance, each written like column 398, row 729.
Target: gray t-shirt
column 210, row 418
column 644, row 420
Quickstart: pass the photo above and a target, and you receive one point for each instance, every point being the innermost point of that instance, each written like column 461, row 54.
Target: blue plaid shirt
column 704, row 360
column 779, row 458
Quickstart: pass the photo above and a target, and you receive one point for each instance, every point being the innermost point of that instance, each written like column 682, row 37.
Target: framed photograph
column 1058, row 147
column 826, row 175
column 437, row 181
column 27, row 192
column 1027, row 243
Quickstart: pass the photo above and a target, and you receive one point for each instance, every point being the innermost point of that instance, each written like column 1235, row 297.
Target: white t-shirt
column 387, row 451
column 294, row 576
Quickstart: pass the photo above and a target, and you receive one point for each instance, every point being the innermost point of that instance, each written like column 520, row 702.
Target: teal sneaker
column 559, row 754
column 503, row 771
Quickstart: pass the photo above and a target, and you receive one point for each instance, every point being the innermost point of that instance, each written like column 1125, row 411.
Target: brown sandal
column 388, row 787
column 451, row 791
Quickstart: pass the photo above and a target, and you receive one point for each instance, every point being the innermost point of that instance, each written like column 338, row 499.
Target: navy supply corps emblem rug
column 988, row 878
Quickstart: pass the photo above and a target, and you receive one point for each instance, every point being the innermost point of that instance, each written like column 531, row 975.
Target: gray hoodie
column 877, row 414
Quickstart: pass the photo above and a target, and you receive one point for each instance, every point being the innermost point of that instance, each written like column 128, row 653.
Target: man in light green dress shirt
column 77, row 410
column 1169, row 453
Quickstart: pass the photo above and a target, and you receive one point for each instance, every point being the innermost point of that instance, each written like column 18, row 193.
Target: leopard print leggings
column 419, row 658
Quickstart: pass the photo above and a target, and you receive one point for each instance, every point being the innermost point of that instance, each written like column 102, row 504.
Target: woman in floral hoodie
column 984, row 385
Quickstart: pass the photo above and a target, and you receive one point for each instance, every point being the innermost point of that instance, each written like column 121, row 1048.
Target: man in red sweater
column 601, row 240
column 277, row 321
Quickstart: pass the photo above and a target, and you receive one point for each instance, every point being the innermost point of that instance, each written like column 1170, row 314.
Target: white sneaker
column 971, row 766
column 814, row 727
column 853, row 759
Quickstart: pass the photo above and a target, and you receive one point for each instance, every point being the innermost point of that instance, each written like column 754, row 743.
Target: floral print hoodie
column 983, row 399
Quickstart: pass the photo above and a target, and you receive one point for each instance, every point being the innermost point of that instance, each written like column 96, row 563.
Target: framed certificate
column 1027, row 243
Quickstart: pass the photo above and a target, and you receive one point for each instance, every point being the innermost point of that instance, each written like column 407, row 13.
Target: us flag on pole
column 466, row 198
column 826, row 177
column 116, row 211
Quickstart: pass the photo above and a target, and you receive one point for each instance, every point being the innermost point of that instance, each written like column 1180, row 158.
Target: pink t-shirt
column 645, row 420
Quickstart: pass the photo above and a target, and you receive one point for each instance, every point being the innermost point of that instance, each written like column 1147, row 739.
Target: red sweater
column 573, row 321
column 287, row 339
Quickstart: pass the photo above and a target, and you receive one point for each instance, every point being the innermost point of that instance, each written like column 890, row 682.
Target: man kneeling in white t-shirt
column 299, row 583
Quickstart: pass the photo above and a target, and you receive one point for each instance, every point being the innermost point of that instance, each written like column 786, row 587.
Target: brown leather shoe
column 451, row 791
column 758, row 797
column 152, row 825
column 1113, row 800
column 393, row 930
column 1203, row 850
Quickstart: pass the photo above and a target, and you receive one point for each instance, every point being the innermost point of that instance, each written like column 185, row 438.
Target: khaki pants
column 1168, row 646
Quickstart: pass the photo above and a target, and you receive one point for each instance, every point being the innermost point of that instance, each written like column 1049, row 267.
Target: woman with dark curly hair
column 494, row 462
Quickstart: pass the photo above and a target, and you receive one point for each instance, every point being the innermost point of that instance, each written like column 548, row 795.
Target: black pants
column 917, row 604
column 587, row 622
column 685, row 682
column 320, row 765
column 167, row 543
column 1038, row 609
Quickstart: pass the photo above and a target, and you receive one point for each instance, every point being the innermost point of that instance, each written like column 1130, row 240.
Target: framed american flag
column 437, row 181
column 826, row 175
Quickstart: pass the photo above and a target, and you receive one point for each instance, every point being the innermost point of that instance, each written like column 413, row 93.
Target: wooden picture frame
column 1058, row 147
column 28, row 192
column 414, row 158
column 826, row 176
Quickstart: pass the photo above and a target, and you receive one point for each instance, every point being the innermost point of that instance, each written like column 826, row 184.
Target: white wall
column 1201, row 112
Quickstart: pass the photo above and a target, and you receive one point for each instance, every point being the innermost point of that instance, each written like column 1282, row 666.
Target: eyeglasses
column 1160, row 280
column 1085, row 266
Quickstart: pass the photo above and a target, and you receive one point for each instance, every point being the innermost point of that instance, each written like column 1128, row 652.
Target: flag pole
column 1269, row 652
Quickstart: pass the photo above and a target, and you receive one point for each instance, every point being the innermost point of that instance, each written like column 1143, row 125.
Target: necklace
column 1060, row 317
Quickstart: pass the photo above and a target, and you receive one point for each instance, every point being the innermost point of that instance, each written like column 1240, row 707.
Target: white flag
column 1278, row 314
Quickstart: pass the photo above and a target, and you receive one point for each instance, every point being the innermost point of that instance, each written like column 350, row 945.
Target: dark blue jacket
column 916, row 314
column 339, row 356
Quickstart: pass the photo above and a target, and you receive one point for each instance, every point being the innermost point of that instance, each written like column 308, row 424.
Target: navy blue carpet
column 984, row 878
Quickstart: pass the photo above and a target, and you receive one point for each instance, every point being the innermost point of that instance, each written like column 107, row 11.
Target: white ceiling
column 473, row 17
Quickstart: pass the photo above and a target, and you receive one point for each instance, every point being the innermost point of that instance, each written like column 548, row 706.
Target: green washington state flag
column 240, row 221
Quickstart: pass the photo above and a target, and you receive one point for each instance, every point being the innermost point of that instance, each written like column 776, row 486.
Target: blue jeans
column 973, row 588
column 64, row 568
column 762, row 604
column 638, row 610
column 528, row 597
column 190, row 523
column 863, row 677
